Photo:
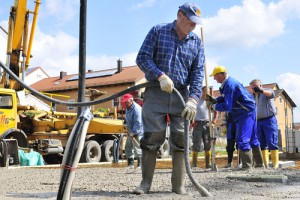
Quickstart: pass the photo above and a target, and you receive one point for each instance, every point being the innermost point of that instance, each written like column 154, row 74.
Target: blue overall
column 239, row 102
column 267, row 132
column 231, row 132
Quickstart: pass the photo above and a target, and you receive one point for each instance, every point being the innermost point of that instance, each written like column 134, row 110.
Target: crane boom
column 17, row 45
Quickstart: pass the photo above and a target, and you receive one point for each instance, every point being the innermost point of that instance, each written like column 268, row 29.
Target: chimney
column 90, row 71
column 119, row 66
column 62, row 75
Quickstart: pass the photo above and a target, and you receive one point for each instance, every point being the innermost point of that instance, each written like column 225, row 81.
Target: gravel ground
column 111, row 182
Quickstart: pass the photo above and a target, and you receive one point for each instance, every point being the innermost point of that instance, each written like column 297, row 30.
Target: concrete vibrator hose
column 203, row 191
column 73, row 151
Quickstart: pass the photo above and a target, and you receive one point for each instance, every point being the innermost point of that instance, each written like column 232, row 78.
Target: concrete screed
column 108, row 181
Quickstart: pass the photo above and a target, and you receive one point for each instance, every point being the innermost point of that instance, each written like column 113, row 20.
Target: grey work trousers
column 133, row 150
column 157, row 104
column 201, row 133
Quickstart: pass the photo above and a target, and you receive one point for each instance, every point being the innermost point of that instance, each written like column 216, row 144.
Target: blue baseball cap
column 192, row 11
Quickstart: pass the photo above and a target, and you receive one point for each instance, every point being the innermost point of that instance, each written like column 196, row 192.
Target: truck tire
column 91, row 152
column 108, row 148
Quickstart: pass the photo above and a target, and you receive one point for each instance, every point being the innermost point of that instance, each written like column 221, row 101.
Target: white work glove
column 166, row 84
column 189, row 111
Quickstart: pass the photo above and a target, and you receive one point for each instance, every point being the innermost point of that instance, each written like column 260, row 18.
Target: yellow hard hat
column 218, row 69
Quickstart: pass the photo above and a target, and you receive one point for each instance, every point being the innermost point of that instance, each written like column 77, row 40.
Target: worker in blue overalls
column 239, row 102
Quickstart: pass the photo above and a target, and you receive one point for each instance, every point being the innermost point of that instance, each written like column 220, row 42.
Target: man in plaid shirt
column 172, row 55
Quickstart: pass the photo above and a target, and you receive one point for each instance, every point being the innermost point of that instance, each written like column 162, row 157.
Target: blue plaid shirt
column 183, row 61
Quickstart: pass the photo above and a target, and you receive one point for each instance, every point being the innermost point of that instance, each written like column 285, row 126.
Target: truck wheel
column 108, row 148
column 164, row 150
column 91, row 152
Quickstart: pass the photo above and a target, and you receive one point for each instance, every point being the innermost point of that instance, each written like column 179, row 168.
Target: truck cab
column 8, row 109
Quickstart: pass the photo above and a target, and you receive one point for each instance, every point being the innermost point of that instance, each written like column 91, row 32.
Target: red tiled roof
column 130, row 74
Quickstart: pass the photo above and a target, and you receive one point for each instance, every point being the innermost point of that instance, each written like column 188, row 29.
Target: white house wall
column 35, row 76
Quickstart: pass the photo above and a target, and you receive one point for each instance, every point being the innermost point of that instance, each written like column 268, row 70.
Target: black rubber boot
column 148, row 166
column 257, row 157
column 130, row 162
column 229, row 159
column 139, row 162
column 246, row 159
column 178, row 173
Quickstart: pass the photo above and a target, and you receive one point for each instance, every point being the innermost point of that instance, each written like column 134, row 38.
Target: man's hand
column 131, row 134
column 166, row 84
column 258, row 89
column 210, row 99
column 189, row 111
column 209, row 105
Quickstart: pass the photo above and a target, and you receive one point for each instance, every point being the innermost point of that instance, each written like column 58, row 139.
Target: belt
column 266, row 118
column 202, row 121
column 181, row 88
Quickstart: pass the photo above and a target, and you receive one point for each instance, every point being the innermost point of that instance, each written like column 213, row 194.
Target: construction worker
column 239, row 102
column 134, row 126
column 267, row 128
column 173, row 56
column 201, row 131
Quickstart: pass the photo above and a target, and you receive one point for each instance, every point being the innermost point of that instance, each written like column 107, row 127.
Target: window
column 285, row 112
column 71, row 107
column 280, row 100
column 6, row 101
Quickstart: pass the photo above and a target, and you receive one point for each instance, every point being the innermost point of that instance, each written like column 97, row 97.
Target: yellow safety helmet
column 218, row 69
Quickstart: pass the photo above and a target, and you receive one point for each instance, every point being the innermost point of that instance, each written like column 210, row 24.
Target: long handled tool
column 212, row 135
column 132, row 137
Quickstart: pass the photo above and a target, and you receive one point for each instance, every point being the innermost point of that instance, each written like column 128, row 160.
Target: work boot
column 239, row 159
column 228, row 166
column 265, row 155
column 208, row 159
column 148, row 167
column 178, row 173
column 229, row 159
column 246, row 157
column 257, row 157
column 275, row 158
column 130, row 162
column 194, row 158
column 139, row 162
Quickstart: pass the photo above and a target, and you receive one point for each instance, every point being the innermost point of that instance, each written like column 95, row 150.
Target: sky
column 251, row 38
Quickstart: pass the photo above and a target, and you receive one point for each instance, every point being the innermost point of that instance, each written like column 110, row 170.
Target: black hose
column 200, row 188
column 115, row 146
column 70, row 157
column 118, row 147
column 68, row 165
